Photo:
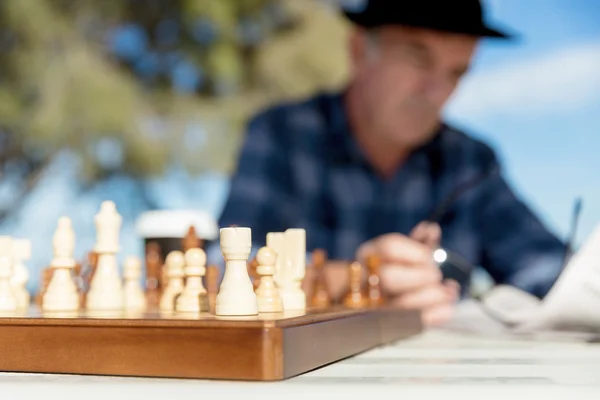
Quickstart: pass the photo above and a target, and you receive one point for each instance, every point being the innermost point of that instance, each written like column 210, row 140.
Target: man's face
column 405, row 76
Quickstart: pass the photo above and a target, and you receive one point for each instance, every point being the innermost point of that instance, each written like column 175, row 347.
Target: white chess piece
column 134, row 296
column 267, row 294
column 293, row 270
column 174, row 263
column 106, row 288
column 236, row 294
column 194, row 297
column 62, row 294
column 8, row 300
column 20, row 274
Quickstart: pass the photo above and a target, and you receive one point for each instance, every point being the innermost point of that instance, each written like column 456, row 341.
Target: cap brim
column 368, row 22
column 494, row 33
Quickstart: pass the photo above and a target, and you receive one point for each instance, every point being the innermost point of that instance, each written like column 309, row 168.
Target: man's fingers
column 453, row 288
column 425, row 298
column 428, row 233
column 437, row 316
column 397, row 248
column 397, row 279
column 419, row 232
column 436, row 302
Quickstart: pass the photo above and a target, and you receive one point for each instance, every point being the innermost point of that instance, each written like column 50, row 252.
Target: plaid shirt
column 299, row 167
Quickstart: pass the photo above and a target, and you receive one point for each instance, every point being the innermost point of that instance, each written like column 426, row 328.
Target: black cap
column 457, row 16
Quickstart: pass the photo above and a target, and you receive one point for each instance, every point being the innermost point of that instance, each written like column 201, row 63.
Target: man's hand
column 409, row 275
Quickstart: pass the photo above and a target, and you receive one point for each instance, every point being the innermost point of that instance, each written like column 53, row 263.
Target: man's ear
column 358, row 48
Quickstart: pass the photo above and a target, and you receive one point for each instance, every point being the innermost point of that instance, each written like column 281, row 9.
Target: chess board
column 266, row 347
column 185, row 320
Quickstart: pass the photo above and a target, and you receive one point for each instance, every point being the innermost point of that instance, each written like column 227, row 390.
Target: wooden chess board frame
column 261, row 348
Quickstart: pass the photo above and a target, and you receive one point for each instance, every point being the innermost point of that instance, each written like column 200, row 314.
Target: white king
column 106, row 289
column 293, row 268
column 108, row 225
column 276, row 242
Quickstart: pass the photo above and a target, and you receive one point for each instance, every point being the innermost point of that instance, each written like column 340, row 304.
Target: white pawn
column 134, row 297
column 8, row 300
column 236, row 294
column 267, row 294
column 194, row 297
column 106, row 288
column 20, row 274
column 174, row 263
column 62, row 294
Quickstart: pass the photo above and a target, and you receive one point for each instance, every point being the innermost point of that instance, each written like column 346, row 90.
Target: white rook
column 236, row 294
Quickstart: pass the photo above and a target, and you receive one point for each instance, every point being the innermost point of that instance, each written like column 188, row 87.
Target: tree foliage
column 137, row 85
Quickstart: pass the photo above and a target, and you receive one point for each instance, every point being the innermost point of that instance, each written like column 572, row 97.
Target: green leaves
column 63, row 84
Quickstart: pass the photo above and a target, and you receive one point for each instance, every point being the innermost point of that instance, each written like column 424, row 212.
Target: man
column 362, row 171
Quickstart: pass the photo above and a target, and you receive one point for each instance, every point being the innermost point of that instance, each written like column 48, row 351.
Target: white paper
column 574, row 301
column 572, row 305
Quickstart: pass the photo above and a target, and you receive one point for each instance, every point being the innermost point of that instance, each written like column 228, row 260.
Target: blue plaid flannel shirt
column 299, row 167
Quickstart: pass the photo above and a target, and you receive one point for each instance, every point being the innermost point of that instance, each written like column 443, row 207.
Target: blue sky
column 537, row 101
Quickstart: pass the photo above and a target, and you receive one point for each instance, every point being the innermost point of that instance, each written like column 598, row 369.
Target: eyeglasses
column 454, row 265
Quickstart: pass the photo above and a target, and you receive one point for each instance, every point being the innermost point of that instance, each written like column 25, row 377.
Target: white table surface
column 438, row 362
